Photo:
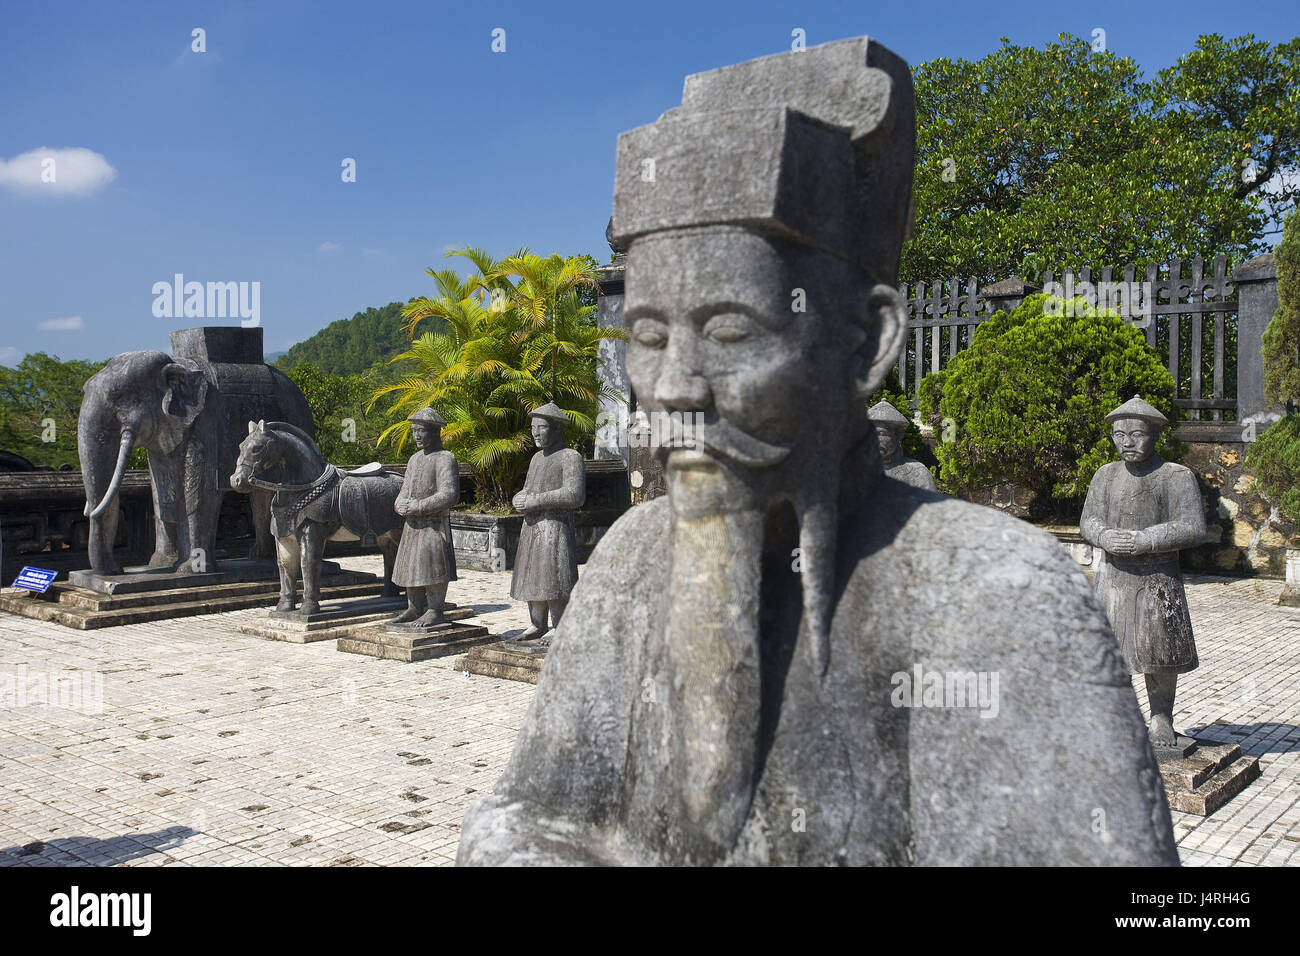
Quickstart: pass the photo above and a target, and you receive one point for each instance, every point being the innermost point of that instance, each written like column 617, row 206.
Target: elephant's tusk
column 128, row 440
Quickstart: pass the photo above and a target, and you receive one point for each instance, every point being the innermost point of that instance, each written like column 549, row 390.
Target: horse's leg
column 288, row 564
column 388, row 547
column 312, row 546
column 261, row 548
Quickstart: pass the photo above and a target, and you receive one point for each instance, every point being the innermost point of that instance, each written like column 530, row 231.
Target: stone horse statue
column 316, row 502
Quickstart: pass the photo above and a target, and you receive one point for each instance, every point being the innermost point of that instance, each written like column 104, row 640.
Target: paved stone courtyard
column 218, row 748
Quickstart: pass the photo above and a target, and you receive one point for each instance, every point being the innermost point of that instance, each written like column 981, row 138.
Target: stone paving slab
column 220, row 748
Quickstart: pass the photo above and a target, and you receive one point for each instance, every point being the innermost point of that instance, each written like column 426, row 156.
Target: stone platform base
column 504, row 660
column 1207, row 778
column 410, row 646
column 336, row 619
column 155, row 596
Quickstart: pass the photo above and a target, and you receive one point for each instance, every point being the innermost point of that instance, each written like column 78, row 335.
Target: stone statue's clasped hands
column 1116, row 541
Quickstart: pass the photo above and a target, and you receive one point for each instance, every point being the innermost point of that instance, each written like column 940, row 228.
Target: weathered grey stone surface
column 731, row 684
column 189, row 411
column 1140, row 511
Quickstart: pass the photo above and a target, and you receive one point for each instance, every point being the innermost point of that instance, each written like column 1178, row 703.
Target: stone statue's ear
column 252, row 427
column 886, row 327
column 184, row 392
column 261, row 425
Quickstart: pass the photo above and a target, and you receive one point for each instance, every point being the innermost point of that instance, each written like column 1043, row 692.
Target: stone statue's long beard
column 713, row 633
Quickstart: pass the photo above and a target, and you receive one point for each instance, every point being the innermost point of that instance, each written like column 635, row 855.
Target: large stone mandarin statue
column 890, row 426
column 1140, row 511
column 546, row 561
column 722, row 689
column 426, row 559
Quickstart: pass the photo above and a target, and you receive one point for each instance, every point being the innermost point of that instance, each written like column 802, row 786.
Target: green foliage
column 1282, row 337
column 1275, row 459
column 1275, row 456
column 1030, row 394
column 336, row 400
column 352, row 346
column 1066, row 157
column 892, row 391
column 40, row 397
column 518, row 335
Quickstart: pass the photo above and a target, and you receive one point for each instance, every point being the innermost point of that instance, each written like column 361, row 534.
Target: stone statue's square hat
column 1135, row 407
column 551, row 412
column 815, row 146
column 427, row 416
column 882, row 413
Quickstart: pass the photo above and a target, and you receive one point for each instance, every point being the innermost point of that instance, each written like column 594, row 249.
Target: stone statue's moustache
column 717, row 437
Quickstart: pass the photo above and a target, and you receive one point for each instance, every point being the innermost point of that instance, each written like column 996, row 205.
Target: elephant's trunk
column 128, row 441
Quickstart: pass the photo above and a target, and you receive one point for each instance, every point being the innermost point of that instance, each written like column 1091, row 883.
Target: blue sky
column 226, row 165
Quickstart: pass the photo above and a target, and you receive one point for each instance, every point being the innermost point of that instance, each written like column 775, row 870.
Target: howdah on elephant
column 181, row 409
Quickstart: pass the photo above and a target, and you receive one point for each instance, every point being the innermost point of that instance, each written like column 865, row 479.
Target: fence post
column 1006, row 296
column 1256, row 283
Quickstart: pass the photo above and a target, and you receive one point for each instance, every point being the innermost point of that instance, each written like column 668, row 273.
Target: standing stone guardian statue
column 546, row 562
column 1140, row 511
column 890, row 426
column 426, row 559
column 725, row 685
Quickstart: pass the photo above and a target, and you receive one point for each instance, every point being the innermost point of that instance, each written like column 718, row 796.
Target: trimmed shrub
column 1029, row 396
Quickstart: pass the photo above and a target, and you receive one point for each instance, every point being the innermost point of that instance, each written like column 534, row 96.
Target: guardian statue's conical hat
column 1135, row 407
column 427, row 416
column 551, row 412
column 882, row 413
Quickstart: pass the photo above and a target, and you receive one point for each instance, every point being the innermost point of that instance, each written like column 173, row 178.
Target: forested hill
column 350, row 346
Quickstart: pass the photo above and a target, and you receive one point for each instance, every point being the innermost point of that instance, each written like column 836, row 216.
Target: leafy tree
column 40, row 399
column 346, row 431
column 1275, row 456
column 509, row 348
column 1029, row 395
column 351, row 346
column 1062, row 157
column 1282, row 337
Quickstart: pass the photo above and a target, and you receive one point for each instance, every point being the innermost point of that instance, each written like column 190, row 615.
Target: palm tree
column 489, row 370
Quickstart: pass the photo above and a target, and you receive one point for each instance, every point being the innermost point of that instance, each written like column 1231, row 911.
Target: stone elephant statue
column 178, row 409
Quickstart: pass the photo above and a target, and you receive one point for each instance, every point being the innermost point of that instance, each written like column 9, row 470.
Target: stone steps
column 498, row 659
column 377, row 641
column 338, row 619
column 1207, row 778
column 159, row 598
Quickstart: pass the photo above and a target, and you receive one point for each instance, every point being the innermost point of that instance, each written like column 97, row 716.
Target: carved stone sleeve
column 1186, row 528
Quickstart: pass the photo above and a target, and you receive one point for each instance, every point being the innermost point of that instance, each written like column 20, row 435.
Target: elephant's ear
column 252, row 427
column 184, row 392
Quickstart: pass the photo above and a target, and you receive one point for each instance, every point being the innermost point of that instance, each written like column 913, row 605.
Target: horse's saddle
column 361, row 499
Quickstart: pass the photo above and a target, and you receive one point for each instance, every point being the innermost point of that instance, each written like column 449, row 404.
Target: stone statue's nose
column 680, row 386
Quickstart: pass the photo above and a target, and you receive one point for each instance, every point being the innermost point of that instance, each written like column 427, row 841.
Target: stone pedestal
column 391, row 644
column 1206, row 778
column 505, row 660
column 144, row 595
column 1290, row 596
column 336, row 619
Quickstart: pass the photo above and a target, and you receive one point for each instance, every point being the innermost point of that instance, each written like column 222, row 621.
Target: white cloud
column 71, row 324
column 325, row 248
column 72, row 171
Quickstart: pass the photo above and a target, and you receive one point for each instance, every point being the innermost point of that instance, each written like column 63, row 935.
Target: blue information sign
column 35, row 579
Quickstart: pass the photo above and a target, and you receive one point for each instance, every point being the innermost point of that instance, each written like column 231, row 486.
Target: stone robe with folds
column 426, row 556
column 546, row 561
column 1143, row 594
column 842, row 775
